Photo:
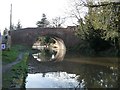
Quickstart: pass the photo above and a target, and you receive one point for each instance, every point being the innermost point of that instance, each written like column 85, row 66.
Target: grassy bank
column 9, row 56
column 15, row 77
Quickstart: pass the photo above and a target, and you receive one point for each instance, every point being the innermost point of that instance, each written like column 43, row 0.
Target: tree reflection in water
column 99, row 77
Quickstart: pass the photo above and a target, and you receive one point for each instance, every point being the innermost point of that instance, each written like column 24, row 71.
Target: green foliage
column 83, row 49
column 101, row 26
column 106, row 18
column 47, row 39
column 43, row 23
column 9, row 56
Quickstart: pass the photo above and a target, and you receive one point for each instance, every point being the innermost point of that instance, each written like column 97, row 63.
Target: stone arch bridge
column 27, row 36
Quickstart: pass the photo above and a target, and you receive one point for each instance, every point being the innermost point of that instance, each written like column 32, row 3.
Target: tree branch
column 92, row 6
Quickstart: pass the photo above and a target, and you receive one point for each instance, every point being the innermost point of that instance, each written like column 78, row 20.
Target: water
column 52, row 80
column 73, row 72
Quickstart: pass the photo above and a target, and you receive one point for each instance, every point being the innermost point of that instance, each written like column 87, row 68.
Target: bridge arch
column 54, row 45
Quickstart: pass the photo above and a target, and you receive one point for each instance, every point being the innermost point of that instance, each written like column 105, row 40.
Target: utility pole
column 11, row 17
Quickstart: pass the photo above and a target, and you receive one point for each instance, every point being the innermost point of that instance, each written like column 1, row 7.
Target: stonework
column 27, row 36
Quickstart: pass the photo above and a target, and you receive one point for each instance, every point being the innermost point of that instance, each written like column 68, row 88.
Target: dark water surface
column 73, row 72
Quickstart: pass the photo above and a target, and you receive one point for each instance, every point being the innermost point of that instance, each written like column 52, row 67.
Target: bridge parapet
column 27, row 36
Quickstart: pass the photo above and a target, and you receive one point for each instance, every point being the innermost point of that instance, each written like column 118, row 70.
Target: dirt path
column 8, row 66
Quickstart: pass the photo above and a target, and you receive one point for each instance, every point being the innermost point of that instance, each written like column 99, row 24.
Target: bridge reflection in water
column 53, row 50
column 73, row 72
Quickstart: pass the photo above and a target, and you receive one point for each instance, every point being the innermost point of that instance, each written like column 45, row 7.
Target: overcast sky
column 30, row 11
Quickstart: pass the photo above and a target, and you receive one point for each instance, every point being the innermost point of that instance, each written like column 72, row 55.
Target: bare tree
column 57, row 22
column 18, row 26
column 78, row 9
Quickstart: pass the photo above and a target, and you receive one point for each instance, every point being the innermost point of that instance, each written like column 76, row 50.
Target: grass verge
column 15, row 77
column 9, row 56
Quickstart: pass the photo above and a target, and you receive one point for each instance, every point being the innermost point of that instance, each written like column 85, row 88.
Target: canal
column 51, row 67
column 73, row 72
